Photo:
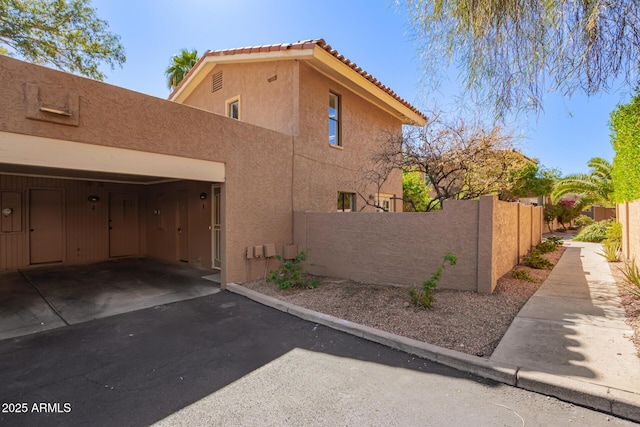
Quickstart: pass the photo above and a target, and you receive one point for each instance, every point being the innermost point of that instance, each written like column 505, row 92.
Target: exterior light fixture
column 93, row 198
column 7, row 211
column 203, row 196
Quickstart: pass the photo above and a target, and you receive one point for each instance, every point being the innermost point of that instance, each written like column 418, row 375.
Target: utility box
column 290, row 251
column 257, row 251
column 269, row 250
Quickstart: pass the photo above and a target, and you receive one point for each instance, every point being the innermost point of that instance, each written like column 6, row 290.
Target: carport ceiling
column 22, row 170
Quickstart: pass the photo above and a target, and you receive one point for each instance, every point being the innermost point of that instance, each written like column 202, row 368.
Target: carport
column 89, row 231
column 68, row 202
column 38, row 299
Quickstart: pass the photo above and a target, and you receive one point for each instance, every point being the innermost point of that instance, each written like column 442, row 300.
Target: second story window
column 233, row 108
column 334, row 120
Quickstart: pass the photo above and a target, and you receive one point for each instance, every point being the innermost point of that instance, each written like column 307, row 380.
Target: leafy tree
column 511, row 52
column 563, row 211
column 532, row 180
column 64, row 34
column 625, row 137
column 415, row 194
column 594, row 187
column 459, row 160
column 180, row 65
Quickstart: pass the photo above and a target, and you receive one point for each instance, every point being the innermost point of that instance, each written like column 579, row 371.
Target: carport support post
column 485, row 244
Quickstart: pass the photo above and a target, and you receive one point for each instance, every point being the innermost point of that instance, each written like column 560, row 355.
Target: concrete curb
column 620, row 403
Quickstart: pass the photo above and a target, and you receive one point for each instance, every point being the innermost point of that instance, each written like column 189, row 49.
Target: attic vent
column 216, row 81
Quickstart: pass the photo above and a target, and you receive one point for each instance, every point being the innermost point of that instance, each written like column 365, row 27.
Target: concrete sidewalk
column 569, row 341
column 574, row 328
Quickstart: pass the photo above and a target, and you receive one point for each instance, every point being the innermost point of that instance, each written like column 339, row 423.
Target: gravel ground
column 459, row 320
column 630, row 302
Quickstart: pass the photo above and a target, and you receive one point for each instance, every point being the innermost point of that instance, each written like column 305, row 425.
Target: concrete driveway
column 39, row 299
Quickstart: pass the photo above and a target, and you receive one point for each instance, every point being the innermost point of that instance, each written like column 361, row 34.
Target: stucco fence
column 487, row 236
column 628, row 214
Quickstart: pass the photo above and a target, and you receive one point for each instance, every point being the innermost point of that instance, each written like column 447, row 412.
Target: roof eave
column 337, row 70
column 318, row 57
column 209, row 61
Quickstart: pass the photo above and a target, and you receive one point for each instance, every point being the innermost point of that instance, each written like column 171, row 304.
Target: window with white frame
column 334, row 120
column 233, row 108
column 346, row 202
column 383, row 202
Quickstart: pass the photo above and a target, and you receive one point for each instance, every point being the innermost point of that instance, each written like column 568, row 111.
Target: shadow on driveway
column 38, row 299
column 140, row 367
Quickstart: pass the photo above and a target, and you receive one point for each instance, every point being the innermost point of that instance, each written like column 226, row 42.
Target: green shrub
column 625, row 139
column 595, row 232
column 614, row 232
column 583, row 221
column 290, row 273
column 546, row 247
column 610, row 251
column 535, row 260
column 522, row 275
column 556, row 240
column 632, row 276
column 424, row 298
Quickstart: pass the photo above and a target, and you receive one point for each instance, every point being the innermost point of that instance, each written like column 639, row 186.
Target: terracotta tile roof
column 308, row 44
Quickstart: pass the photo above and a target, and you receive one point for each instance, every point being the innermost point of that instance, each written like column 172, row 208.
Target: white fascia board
column 339, row 71
column 209, row 62
column 30, row 150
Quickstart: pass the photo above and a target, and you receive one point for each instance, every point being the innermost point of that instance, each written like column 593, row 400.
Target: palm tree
column 596, row 187
column 180, row 66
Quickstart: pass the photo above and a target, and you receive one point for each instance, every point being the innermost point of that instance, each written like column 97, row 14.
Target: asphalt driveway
column 226, row 360
column 39, row 299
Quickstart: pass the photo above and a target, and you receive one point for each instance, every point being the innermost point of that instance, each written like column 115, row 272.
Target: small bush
column 583, row 221
column 556, row 240
column 546, row 247
column 290, row 274
column 610, row 251
column 523, row 275
column 535, row 260
column 595, row 232
column 632, row 276
column 614, row 232
column 424, row 298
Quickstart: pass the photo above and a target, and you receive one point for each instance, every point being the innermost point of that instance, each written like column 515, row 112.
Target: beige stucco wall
column 402, row 248
column 296, row 103
column 267, row 92
column 363, row 129
column 505, row 234
column 516, row 229
column 628, row 214
column 257, row 192
column 524, row 230
column 407, row 248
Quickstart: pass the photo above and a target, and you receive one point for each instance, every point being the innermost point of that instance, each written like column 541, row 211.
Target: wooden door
column 46, row 226
column 183, row 226
column 123, row 224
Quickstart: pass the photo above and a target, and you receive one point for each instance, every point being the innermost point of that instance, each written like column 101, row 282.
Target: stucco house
column 335, row 113
column 89, row 171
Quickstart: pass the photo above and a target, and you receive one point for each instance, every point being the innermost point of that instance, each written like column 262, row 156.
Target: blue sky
column 375, row 34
